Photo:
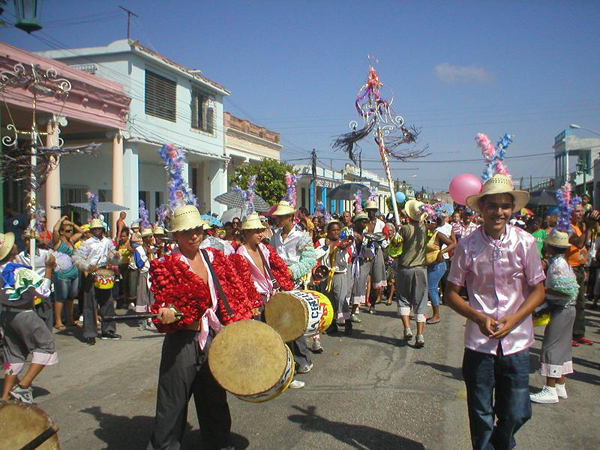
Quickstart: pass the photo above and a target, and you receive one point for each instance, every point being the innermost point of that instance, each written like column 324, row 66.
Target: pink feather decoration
column 358, row 202
column 487, row 149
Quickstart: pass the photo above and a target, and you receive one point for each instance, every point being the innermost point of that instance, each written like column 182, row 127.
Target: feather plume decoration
column 493, row 156
column 358, row 202
column 501, row 146
column 429, row 210
column 180, row 193
column 93, row 198
column 290, row 193
column 161, row 215
column 372, row 193
column 144, row 222
column 247, row 195
column 348, row 141
column 566, row 205
column 39, row 215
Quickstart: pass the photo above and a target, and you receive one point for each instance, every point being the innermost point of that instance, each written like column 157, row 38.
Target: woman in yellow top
column 437, row 245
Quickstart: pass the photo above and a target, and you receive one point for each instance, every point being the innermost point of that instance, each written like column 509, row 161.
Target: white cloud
column 449, row 73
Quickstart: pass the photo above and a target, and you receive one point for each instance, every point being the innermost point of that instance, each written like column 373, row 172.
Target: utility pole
column 129, row 14
column 313, row 157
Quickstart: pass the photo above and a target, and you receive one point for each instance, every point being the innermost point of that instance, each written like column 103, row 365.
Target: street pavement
column 368, row 391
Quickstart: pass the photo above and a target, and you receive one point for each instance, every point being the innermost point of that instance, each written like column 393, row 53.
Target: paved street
column 370, row 391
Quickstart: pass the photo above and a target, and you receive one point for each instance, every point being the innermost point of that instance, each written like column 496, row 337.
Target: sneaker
column 420, row 341
column 561, row 391
column 110, row 335
column 372, row 310
column 546, row 395
column 316, row 347
column 408, row 334
column 354, row 318
column 305, row 369
column 297, row 384
column 22, row 394
column 90, row 341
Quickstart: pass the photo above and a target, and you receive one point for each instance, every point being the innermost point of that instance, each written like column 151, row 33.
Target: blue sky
column 454, row 68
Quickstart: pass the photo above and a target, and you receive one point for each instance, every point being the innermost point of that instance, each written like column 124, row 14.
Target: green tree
column 270, row 178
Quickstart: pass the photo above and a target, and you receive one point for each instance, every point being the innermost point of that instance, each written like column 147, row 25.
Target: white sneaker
column 546, row 395
column 354, row 318
column 316, row 347
column 297, row 384
column 561, row 391
column 408, row 334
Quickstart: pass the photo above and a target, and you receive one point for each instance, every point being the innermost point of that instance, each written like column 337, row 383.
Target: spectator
column 16, row 223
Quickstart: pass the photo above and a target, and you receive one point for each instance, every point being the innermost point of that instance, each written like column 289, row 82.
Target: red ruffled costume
column 174, row 283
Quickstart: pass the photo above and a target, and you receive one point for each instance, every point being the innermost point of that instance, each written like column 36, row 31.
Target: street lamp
column 577, row 127
column 26, row 12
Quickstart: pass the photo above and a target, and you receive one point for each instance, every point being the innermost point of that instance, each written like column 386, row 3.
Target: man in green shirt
column 536, row 230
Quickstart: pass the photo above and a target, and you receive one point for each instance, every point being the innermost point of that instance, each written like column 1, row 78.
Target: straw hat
column 252, row 222
column 558, row 239
column 284, row 208
column 147, row 232
column 371, row 204
column 7, row 242
column 360, row 216
column 499, row 184
column 159, row 231
column 412, row 208
column 332, row 222
column 186, row 218
column 96, row 223
column 135, row 225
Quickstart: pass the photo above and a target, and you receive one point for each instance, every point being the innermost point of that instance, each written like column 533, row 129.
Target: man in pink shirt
column 501, row 266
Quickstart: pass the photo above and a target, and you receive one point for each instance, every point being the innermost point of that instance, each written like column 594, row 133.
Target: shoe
column 110, row 335
column 305, row 369
column 574, row 343
column 354, row 318
column 348, row 328
column 333, row 329
column 420, row 341
column 546, row 395
column 22, row 394
column 142, row 326
column 389, row 302
column 297, row 384
column 561, row 391
column 408, row 335
column 372, row 310
column 316, row 347
column 90, row 341
column 584, row 340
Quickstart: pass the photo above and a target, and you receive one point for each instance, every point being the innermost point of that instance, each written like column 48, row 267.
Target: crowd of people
column 486, row 260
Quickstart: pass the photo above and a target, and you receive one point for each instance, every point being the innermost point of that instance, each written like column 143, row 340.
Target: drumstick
column 134, row 317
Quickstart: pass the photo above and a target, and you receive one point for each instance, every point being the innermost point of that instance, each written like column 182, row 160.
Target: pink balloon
column 464, row 185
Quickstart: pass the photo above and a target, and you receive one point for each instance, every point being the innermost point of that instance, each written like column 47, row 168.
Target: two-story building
column 170, row 104
column 575, row 161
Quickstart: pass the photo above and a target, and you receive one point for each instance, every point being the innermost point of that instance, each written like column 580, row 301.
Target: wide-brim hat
column 371, row 204
column 412, row 208
column 252, row 222
column 159, row 231
column 360, row 216
column 135, row 225
column 147, row 232
column 332, row 222
column 186, row 218
column 96, row 223
column 499, row 184
column 7, row 242
column 284, row 208
column 558, row 239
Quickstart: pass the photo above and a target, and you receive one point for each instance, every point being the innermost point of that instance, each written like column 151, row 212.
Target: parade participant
column 305, row 222
column 465, row 226
column 24, row 332
column 362, row 262
column 378, row 275
column 535, row 228
column 347, row 219
column 95, row 253
column 296, row 249
column 136, row 237
column 502, row 268
column 125, row 257
column 411, row 278
column 16, row 223
column 120, row 224
column 561, row 293
column 143, row 255
column 45, row 234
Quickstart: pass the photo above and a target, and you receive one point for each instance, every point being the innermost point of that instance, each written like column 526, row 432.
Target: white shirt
column 342, row 257
column 446, row 230
column 290, row 248
column 40, row 260
column 93, row 252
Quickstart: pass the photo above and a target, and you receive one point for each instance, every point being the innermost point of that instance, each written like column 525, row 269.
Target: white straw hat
column 7, row 242
column 284, row 208
column 252, row 222
column 371, row 204
column 186, row 218
column 499, row 184
column 558, row 239
column 412, row 208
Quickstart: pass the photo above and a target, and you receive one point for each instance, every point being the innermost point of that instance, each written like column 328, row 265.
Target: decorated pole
column 381, row 120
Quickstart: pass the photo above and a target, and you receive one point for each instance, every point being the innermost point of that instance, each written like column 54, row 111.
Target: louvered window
column 161, row 97
column 203, row 112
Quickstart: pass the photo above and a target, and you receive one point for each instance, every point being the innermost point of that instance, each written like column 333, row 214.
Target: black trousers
column 184, row 371
column 92, row 298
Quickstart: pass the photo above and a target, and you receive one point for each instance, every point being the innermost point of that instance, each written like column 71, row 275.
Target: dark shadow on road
column 126, row 433
column 360, row 334
column 453, row 372
column 355, row 436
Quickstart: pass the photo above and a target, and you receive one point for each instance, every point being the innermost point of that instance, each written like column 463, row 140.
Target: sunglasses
column 429, row 222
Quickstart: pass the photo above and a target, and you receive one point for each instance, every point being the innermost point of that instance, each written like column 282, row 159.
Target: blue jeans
column 435, row 272
column 508, row 376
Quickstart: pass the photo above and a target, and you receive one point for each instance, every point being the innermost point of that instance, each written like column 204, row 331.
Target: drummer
column 95, row 253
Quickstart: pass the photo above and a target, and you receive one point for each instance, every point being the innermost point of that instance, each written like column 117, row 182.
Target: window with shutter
column 160, row 97
column 203, row 112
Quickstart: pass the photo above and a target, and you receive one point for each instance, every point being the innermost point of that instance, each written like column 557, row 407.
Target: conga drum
column 299, row 313
column 26, row 426
column 104, row 279
column 250, row 360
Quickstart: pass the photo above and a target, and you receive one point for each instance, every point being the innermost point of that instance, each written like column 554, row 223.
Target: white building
column 170, row 105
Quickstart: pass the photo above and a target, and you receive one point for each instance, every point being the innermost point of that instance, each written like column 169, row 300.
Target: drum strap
column 217, row 284
column 268, row 269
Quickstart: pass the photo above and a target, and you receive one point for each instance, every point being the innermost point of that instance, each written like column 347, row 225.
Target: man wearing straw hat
column 501, row 266
column 411, row 276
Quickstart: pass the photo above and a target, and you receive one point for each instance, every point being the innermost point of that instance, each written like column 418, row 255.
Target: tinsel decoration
column 180, row 193
column 144, row 222
column 493, row 156
column 247, row 195
column 290, row 194
column 372, row 193
column 566, row 205
column 161, row 215
column 358, row 202
column 93, row 198
column 39, row 214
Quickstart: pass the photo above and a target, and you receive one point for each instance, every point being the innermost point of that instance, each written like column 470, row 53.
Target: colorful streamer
column 180, row 193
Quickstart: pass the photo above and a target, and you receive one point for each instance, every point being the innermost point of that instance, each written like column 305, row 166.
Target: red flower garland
column 241, row 266
column 280, row 270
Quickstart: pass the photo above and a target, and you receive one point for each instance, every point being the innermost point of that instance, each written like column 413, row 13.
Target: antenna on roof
column 129, row 14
